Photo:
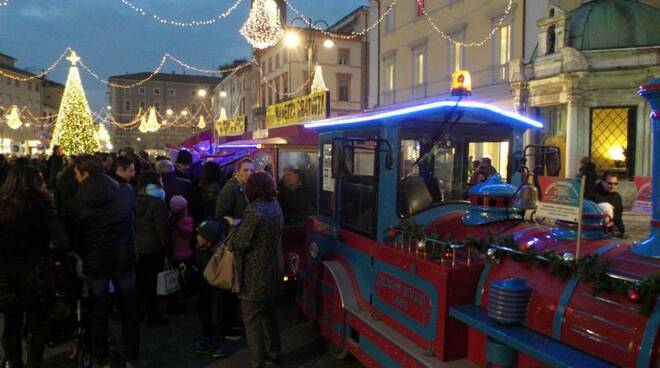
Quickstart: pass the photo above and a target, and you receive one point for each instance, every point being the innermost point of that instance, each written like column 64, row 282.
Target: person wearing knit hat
column 210, row 231
column 212, row 306
column 178, row 203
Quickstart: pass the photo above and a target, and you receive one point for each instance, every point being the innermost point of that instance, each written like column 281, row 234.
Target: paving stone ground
column 172, row 346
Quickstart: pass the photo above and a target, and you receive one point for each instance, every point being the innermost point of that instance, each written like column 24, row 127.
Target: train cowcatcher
column 410, row 264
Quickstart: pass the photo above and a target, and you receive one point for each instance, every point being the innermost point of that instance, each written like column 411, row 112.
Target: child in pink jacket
column 182, row 234
column 182, row 230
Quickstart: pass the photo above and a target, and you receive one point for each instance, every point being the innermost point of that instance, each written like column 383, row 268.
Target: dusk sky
column 113, row 39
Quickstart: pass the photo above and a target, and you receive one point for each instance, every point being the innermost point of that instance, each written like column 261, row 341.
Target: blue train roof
column 473, row 112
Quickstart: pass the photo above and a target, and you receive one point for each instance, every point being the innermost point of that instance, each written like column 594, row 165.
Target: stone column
column 572, row 136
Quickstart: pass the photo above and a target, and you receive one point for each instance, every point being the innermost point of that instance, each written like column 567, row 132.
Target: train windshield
column 438, row 164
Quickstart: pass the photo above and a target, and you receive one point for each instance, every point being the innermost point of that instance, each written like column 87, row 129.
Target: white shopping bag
column 168, row 280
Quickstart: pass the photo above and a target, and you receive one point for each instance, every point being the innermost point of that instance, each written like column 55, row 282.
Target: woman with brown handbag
column 257, row 243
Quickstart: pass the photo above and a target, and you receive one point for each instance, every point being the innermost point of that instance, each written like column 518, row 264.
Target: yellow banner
column 301, row 109
column 231, row 126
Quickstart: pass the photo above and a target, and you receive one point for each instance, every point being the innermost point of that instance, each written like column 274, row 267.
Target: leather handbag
column 219, row 272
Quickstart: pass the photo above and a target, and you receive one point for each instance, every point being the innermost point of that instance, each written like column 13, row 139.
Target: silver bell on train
column 526, row 198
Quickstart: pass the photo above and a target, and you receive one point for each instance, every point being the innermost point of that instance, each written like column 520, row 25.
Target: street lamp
column 109, row 108
column 292, row 39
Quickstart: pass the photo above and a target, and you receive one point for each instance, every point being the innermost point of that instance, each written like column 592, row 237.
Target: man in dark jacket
column 123, row 170
column 231, row 201
column 606, row 193
column 175, row 185
column 103, row 236
column 296, row 198
column 55, row 165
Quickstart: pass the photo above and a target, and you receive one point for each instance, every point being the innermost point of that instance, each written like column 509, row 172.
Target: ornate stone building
column 582, row 83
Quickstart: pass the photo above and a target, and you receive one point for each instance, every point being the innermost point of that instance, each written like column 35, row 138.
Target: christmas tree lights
column 263, row 28
column 74, row 128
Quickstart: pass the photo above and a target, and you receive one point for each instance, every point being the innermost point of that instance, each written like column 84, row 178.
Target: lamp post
column 292, row 39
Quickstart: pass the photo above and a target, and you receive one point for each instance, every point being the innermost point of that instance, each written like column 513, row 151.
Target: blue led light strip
column 424, row 107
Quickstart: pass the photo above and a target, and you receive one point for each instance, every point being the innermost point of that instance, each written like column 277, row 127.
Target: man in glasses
column 606, row 193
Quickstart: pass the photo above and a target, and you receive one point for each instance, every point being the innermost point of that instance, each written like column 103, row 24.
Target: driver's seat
column 415, row 195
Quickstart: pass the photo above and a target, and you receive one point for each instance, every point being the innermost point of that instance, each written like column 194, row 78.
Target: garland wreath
column 560, row 265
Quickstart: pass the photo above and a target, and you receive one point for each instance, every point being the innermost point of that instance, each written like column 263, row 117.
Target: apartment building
column 284, row 69
column 179, row 100
column 37, row 99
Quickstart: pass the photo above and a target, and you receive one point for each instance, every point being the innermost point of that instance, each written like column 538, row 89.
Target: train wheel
column 339, row 353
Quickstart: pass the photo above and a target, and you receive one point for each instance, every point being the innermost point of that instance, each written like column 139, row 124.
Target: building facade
column 582, row 83
column 179, row 100
column 421, row 43
column 38, row 101
column 236, row 94
column 281, row 72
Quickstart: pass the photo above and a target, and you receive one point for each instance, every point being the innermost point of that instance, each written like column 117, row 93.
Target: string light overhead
column 192, row 23
column 480, row 43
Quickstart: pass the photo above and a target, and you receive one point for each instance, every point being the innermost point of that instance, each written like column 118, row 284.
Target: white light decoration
column 202, row 123
column 74, row 128
column 262, row 29
column 152, row 121
column 328, row 43
column 13, row 118
column 201, row 93
column 103, row 133
column 143, row 128
column 318, row 84
column 223, row 114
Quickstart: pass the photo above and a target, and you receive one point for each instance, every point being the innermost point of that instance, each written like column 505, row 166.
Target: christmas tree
column 74, row 128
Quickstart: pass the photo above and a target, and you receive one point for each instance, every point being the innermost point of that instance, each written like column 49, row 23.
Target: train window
column 297, row 171
column 437, row 162
column 263, row 161
column 495, row 152
column 427, row 173
column 327, row 190
column 359, row 190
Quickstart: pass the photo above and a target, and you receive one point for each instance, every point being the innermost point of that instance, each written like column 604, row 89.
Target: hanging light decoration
column 152, row 121
column 13, row 118
column 223, row 114
column 263, row 28
column 318, row 84
column 103, row 133
column 202, row 123
column 143, row 128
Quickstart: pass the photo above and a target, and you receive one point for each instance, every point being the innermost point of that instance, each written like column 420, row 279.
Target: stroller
column 70, row 307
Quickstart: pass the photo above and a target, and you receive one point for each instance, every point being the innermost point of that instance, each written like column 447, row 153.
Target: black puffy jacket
column 152, row 225
column 100, row 218
column 26, row 275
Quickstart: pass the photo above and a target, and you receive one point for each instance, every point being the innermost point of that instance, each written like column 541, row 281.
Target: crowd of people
column 125, row 219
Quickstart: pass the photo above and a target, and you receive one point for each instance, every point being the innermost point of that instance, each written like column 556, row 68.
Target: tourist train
column 411, row 263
